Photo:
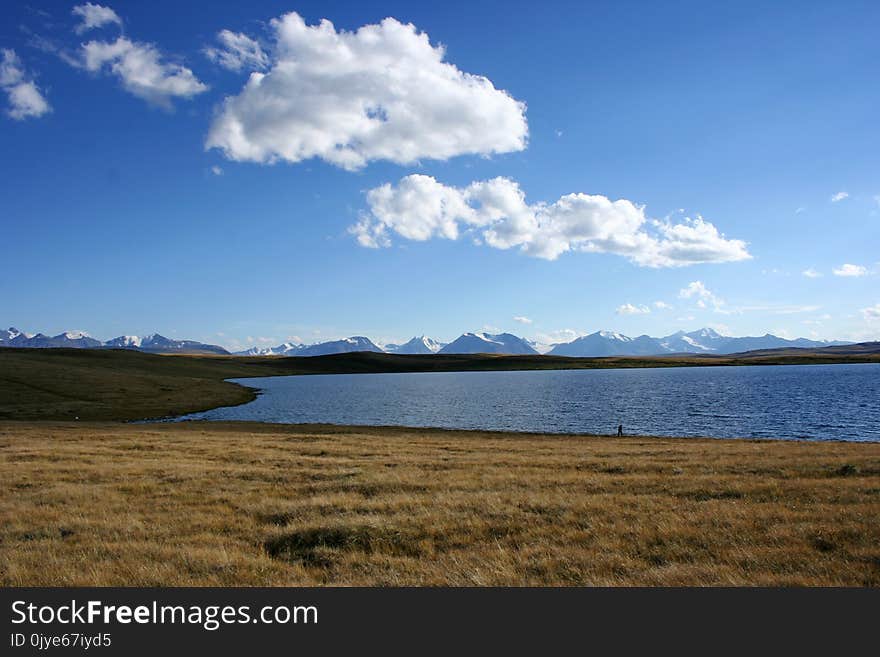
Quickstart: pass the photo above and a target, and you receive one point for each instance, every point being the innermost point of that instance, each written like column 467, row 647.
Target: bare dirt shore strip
column 251, row 504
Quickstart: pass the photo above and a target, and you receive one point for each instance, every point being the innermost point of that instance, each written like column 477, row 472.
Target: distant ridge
column 155, row 343
column 702, row 341
column 601, row 343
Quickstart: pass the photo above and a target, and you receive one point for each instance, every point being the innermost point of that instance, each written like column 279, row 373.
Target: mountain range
column 600, row 343
column 702, row 341
column 155, row 343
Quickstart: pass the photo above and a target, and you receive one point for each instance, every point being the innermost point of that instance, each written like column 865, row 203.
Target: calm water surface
column 816, row 402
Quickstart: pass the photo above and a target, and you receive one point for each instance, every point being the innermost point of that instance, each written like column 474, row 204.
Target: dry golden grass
column 250, row 504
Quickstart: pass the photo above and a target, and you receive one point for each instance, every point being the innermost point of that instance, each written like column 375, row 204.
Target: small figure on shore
column 619, row 429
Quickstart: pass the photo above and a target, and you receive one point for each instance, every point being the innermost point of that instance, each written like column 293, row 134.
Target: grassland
column 99, row 502
column 249, row 504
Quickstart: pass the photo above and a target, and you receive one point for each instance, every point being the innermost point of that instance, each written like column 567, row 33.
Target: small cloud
column 839, row 196
column 783, row 310
column 25, row 98
column 630, row 309
column 39, row 42
column 662, row 305
column 871, row 313
column 143, row 69
column 722, row 329
column 217, row 171
column 697, row 290
column 850, row 270
column 556, row 337
column 811, row 273
column 94, row 16
column 522, row 320
column 238, row 52
column 558, row 133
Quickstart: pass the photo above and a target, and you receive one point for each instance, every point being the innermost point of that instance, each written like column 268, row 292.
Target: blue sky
column 661, row 168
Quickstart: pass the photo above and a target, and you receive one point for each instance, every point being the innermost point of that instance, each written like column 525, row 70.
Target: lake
column 813, row 402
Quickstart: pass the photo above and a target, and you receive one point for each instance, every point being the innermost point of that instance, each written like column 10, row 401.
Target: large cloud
column 143, row 70
column 25, row 98
column 382, row 92
column 420, row 208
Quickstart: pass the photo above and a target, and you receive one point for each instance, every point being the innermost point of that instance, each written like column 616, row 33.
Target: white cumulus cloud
column 420, row 208
column 238, row 51
column 93, row 16
column 850, row 270
column 382, row 92
column 143, row 70
column 24, row 96
column 811, row 273
column 872, row 312
column 839, row 196
column 704, row 297
column 662, row 305
column 522, row 320
column 630, row 309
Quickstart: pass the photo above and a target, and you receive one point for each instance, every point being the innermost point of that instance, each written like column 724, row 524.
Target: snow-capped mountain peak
column 487, row 343
column 421, row 344
column 127, row 341
column 614, row 335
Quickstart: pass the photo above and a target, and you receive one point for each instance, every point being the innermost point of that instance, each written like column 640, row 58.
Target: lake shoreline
column 764, row 403
column 123, row 385
column 128, row 386
column 329, row 427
